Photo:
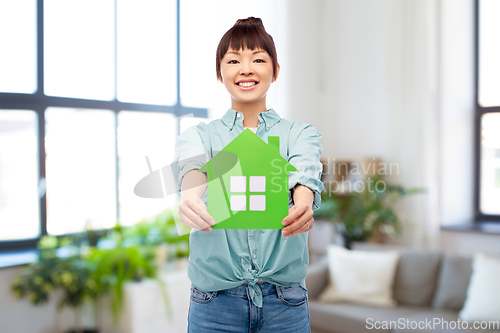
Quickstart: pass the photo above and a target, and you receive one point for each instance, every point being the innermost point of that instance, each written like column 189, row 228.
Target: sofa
column 429, row 287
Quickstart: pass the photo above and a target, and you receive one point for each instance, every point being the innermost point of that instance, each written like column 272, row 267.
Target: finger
column 186, row 221
column 293, row 214
column 299, row 221
column 299, row 226
column 199, row 208
column 305, row 227
column 203, row 213
column 197, row 221
column 190, row 223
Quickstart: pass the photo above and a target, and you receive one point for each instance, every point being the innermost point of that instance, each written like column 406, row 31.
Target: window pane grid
column 19, row 204
column 93, row 94
column 487, row 124
column 80, row 170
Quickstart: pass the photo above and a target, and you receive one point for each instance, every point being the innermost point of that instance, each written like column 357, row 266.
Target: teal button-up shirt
column 226, row 258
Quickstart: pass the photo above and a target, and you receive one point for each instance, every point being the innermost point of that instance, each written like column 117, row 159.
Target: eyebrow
column 236, row 52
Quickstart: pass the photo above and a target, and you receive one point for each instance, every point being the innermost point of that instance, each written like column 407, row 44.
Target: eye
column 231, row 61
column 260, row 60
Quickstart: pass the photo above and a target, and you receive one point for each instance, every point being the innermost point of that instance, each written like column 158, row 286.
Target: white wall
column 456, row 129
column 457, row 111
column 394, row 79
column 362, row 73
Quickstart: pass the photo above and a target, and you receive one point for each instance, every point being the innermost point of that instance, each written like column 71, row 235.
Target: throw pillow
column 483, row 293
column 364, row 277
column 416, row 274
column 416, row 277
column 453, row 281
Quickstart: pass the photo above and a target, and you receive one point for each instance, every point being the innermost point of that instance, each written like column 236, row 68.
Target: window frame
column 39, row 102
column 479, row 111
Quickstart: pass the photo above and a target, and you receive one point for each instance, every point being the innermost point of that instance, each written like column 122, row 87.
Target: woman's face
column 246, row 74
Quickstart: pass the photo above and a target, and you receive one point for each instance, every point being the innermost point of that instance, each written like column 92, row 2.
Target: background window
column 490, row 164
column 18, row 40
column 489, row 53
column 96, row 59
column 487, row 193
column 19, row 205
column 79, row 48
column 147, row 62
column 80, row 162
column 142, row 134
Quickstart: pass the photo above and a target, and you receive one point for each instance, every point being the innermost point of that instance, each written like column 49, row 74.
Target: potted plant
column 359, row 214
column 162, row 233
column 89, row 265
column 113, row 267
column 86, row 273
column 129, row 254
column 68, row 272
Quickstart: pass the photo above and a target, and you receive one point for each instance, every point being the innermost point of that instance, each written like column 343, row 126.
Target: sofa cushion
column 317, row 277
column 454, row 277
column 416, row 274
column 364, row 277
column 416, row 277
column 483, row 292
column 347, row 317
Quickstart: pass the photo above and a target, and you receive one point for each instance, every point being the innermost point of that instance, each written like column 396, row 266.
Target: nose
column 246, row 68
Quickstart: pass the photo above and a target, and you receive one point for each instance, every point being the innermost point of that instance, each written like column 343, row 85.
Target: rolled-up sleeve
column 305, row 150
column 189, row 154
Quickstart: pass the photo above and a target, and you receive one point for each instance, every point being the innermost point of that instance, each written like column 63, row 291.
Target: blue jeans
column 284, row 309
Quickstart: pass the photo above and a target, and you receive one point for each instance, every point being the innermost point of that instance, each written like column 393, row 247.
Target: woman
column 245, row 279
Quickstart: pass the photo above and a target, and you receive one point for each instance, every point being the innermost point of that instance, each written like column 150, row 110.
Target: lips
column 247, row 84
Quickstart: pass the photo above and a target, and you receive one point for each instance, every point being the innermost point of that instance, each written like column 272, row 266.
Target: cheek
column 227, row 76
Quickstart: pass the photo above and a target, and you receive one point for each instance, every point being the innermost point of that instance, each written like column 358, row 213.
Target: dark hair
column 249, row 34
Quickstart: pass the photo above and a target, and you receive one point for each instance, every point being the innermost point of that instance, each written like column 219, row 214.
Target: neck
column 250, row 111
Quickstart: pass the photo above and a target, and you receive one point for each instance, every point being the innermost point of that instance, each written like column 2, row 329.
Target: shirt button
column 254, row 256
column 238, row 115
column 267, row 125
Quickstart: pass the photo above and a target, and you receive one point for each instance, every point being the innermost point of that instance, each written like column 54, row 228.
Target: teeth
column 247, row 84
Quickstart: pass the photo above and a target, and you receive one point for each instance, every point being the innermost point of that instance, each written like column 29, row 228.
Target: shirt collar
column 270, row 118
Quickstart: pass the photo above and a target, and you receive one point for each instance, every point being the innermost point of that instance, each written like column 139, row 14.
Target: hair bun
column 250, row 20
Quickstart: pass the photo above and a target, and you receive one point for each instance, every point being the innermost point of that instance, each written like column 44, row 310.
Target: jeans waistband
column 242, row 290
column 258, row 282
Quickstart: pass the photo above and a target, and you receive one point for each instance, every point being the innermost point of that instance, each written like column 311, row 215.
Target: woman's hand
column 194, row 214
column 299, row 220
column 300, row 216
column 192, row 209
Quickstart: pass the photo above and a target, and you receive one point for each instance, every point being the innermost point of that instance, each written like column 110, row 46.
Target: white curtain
column 415, row 117
column 365, row 73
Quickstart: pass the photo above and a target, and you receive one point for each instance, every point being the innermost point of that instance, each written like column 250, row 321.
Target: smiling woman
column 247, row 76
column 246, row 35
column 240, row 276
column 247, row 64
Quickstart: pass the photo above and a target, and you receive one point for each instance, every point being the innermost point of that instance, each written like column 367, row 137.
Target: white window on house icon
column 239, row 201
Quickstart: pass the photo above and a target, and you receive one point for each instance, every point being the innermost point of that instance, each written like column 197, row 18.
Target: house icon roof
column 253, row 192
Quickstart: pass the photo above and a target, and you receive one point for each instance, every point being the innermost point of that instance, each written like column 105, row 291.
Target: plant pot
column 84, row 316
column 350, row 235
column 349, row 240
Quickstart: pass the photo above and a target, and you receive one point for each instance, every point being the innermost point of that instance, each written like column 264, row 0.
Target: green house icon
column 253, row 193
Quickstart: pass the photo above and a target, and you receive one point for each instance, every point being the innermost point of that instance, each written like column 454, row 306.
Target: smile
column 247, row 85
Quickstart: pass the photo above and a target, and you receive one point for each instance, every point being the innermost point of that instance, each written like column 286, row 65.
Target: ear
column 277, row 73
